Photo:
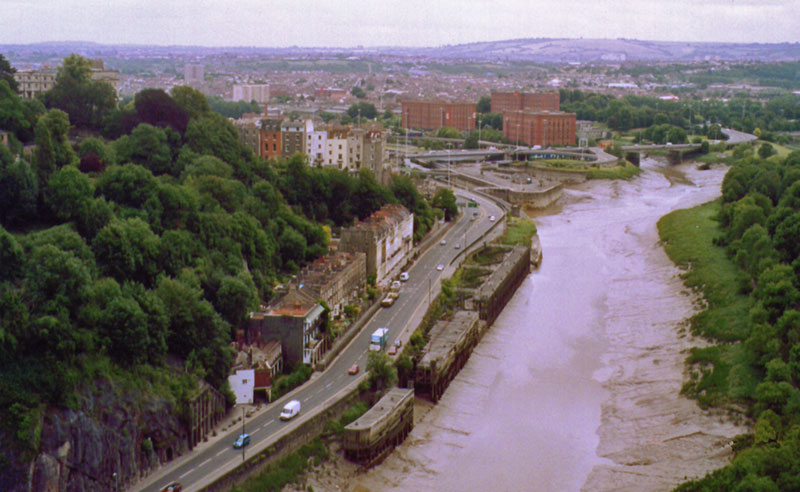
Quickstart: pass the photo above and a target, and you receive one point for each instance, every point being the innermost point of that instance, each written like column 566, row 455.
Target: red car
column 393, row 350
column 353, row 369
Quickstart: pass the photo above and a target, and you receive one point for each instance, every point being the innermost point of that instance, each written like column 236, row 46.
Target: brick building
column 293, row 138
column 543, row 128
column 432, row 115
column 515, row 101
column 249, row 131
column 271, row 144
column 386, row 237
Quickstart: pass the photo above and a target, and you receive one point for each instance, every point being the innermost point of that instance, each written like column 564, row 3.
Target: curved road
column 209, row 461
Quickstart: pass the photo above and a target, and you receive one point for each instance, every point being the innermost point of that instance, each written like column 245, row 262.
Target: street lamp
column 116, row 480
column 479, row 131
column 243, row 446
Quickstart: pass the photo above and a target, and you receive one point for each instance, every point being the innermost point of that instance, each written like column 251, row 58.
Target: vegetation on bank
column 742, row 253
column 625, row 171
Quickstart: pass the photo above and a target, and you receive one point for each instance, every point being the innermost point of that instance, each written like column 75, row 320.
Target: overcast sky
column 347, row 23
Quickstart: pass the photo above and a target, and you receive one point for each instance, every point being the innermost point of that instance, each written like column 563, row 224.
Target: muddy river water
column 576, row 386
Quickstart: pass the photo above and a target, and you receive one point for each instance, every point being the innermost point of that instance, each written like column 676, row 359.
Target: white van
column 290, row 410
column 404, row 276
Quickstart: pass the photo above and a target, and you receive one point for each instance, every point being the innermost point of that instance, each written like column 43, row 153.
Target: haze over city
column 334, row 23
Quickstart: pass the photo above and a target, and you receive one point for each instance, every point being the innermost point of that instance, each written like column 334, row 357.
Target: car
column 443, row 242
column 458, row 246
column 290, row 410
column 173, row 487
column 404, row 276
column 398, row 343
column 440, row 267
column 241, row 441
column 353, row 369
column 491, row 218
column 392, row 350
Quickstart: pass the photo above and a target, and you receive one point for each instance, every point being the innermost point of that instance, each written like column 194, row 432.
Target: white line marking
column 221, row 451
column 203, row 463
column 188, row 472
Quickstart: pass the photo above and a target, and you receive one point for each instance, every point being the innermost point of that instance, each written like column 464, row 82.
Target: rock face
column 114, row 438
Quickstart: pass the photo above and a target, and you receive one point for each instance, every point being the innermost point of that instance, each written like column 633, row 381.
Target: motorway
column 210, row 460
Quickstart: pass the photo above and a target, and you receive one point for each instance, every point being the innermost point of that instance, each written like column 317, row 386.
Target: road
column 207, row 462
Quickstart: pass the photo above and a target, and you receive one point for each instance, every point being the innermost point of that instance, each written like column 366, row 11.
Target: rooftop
column 445, row 335
column 385, row 406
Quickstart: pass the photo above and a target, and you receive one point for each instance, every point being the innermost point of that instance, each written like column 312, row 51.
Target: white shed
column 242, row 383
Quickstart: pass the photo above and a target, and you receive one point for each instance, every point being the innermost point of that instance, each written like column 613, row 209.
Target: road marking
column 204, row 463
column 188, row 472
column 254, row 431
column 222, row 451
column 329, row 384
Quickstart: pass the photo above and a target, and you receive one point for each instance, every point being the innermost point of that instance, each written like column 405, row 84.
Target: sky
column 350, row 23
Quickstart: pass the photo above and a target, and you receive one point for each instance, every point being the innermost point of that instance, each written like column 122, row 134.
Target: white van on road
column 290, row 410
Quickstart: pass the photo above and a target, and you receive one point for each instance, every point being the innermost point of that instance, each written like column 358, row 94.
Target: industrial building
column 432, row 115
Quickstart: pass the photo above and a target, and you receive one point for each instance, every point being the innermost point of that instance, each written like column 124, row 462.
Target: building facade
column 543, row 128
column 338, row 279
column 374, row 152
column 295, row 320
column 386, row 237
column 251, row 92
column 31, row 83
column 432, row 115
column 193, row 74
column 271, row 142
column 336, row 147
column 516, row 101
column 249, row 134
column 293, row 138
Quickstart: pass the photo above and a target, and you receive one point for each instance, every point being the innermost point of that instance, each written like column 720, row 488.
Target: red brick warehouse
column 544, row 128
column 514, row 101
column 432, row 115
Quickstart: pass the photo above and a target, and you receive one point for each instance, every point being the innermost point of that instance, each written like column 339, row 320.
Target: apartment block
column 271, row 141
column 338, row 279
column 432, row 115
column 543, row 128
column 193, row 74
column 516, row 101
column 249, row 134
column 336, row 147
column 293, row 138
column 251, row 92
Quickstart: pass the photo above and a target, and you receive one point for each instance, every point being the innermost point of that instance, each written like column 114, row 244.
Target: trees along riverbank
column 742, row 253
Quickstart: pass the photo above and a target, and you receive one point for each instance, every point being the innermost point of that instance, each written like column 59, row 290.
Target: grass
column 626, row 171
column 288, row 470
column 518, row 231
column 721, row 373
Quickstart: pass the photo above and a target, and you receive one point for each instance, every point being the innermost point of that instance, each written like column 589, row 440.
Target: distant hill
column 545, row 50
column 606, row 50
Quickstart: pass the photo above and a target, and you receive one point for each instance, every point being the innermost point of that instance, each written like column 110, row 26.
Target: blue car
column 241, row 441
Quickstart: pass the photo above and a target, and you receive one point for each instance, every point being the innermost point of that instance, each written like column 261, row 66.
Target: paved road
column 210, row 460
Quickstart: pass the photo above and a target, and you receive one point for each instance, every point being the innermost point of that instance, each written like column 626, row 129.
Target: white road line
column 204, row 463
column 254, row 431
column 188, row 472
column 329, row 384
column 221, row 451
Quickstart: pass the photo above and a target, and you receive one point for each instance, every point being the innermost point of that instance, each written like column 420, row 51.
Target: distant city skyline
column 413, row 23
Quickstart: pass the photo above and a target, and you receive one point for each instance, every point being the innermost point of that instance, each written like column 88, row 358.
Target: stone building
column 386, row 237
column 31, row 83
column 374, row 152
column 271, row 142
column 338, row 279
column 206, row 409
column 293, row 138
column 294, row 319
column 249, row 134
column 336, row 147
column 432, row 115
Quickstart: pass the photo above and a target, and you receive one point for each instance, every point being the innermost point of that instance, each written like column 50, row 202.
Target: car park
column 353, row 369
column 241, row 441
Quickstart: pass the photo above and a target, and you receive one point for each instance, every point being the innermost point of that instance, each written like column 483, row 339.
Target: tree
column 146, row 145
column 154, row 106
column 471, row 142
column 191, row 100
column 69, row 193
column 381, row 372
column 363, row 109
column 766, row 150
column 19, row 193
column 86, row 101
column 445, row 199
column 358, row 92
column 53, row 150
column 7, row 73
column 448, row 132
column 11, row 256
column 127, row 250
column 484, row 104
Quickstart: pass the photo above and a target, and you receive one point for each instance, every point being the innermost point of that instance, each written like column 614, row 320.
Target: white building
column 251, row 92
column 242, row 383
column 336, row 148
column 316, row 142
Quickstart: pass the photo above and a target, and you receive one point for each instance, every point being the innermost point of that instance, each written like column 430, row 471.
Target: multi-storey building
column 514, row 101
column 251, row 92
column 336, row 147
column 330, row 93
column 31, row 83
column 338, row 279
column 193, row 74
column 355, row 148
column 543, row 128
column 293, row 138
column 432, row 115
column 271, row 142
column 386, row 237
column 249, row 133
column 374, row 152
column 316, row 139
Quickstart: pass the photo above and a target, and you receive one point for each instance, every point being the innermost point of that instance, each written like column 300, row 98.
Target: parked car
column 398, row 343
column 440, row 267
column 392, row 350
column 491, row 218
column 458, row 246
column 290, row 410
column 241, row 441
column 353, row 369
column 443, row 242
column 404, row 276
column 173, row 487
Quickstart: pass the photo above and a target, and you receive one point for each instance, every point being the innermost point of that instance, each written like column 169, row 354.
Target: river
column 576, row 386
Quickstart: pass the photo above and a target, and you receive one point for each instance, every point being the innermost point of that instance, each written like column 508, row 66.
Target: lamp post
column 243, row 446
column 479, row 131
column 448, row 167
column 116, row 480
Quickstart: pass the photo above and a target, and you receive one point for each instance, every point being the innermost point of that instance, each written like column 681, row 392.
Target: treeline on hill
column 150, row 249
column 759, row 363
column 780, row 113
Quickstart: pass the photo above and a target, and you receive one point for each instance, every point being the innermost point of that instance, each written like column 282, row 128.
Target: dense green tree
column 232, row 109
column 11, row 256
column 127, row 250
column 57, row 279
column 155, row 107
column 212, row 134
column 362, row 109
column 381, row 373
column 69, row 193
column 146, row 145
column 358, row 92
column 235, row 298
column 445, row 199
column 53, row 150
column 18, row 115
column 766, row 150
column 87, row 102
column 19, row 192
column 130, row 185
column 190, row 100
column 484, row 104
column 7, row 73
column 448, row 132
